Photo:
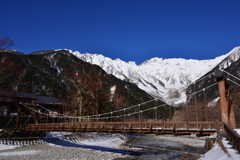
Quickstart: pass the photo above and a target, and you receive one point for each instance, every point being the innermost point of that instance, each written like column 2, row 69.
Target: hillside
column 207, row 87
column 60, row 74
column 108, row 84
column 230, row 64
column 162, row 78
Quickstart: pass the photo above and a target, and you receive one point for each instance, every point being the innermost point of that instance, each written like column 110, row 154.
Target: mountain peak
column 158, row 76
column 10, row 51
column 132, row 63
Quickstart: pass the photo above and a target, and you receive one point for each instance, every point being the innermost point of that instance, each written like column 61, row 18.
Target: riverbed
column 108, row 147
column 168, row 147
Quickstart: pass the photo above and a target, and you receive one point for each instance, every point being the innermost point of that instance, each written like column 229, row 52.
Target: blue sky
column 132, row 30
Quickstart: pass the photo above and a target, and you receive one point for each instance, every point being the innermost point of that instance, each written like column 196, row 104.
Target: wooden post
column 217, row 126
column 18, row 117
column 130, row 127
column 151, row 127
column 113, row 127
column 174, row 127
column 201, row 127
column 37, row 117
column 74, row 130
column 227, row 111
column 187, row 126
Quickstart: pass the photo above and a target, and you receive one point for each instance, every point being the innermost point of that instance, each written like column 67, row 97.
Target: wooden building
column 26, row 104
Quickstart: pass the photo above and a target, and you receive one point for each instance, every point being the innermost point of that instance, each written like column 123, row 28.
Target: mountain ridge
column 62, row 75
column 157, row 76
column 166, row 79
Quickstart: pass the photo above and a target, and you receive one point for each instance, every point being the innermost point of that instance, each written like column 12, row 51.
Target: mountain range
column 167, row 79
column 91, row 84
column 60, row 74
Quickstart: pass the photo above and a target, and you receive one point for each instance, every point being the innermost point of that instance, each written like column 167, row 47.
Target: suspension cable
column 233, row 82
column 204, row 77
column 11, row 117
column 196, row 104
column 27, row 119
column 206, row 112
column 231, row 75
column 124, row 109
column 106, row 112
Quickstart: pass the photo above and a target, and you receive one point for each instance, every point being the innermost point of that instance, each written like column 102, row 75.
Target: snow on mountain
column 162, row 78
column 127, row 71
column 181, row 71
column 233, row 56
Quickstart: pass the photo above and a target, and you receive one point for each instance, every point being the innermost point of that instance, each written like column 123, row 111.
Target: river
column 150, row 147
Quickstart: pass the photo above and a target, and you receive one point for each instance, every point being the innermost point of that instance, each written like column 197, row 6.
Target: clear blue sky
column 132, row 30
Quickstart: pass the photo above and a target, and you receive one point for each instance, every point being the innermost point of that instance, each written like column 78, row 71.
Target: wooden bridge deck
column 201, row 128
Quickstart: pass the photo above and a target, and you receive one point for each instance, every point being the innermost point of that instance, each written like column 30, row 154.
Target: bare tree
column 120, row 101
column 6, row 42
column 174, row 94
column 77, row 93
column 8, row 70
column 88, row 92
column 98, row 91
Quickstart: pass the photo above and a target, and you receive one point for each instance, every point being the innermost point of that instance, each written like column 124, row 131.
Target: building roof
column 44, row 99
column 36, row 99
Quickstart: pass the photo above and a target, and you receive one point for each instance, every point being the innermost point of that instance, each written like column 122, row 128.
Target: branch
column 6, row 42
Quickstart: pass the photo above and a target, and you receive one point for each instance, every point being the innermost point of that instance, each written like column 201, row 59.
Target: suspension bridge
column 135, row 119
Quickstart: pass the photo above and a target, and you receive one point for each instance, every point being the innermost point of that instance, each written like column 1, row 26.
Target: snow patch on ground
column 112, row 141
column 19, row 153
column 56, row 134
column 238, row 131
column 109, row 141
column 217, row 153
column 95, row 141
column 7, row 147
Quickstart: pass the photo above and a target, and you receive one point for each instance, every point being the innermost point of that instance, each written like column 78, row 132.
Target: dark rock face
column 46, row 73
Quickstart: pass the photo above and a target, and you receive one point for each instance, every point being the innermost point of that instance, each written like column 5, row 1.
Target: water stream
column 150, row 147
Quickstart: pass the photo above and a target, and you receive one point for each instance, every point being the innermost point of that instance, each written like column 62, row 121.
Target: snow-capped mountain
column 162, row 78
column 230, row 64
column 127, row 71
column 233, row 56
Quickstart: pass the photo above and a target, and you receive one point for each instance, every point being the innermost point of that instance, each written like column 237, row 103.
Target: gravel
column 140, row 147
column 167, row 147
column 47, row 152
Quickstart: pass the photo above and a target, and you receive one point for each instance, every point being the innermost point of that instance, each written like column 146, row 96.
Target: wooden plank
column 130, row 127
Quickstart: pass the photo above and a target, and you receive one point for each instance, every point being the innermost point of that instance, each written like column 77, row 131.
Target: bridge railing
column 232, row 135
column 137, row 127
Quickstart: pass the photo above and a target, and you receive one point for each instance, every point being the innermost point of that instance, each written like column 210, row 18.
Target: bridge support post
column 37, row 117
column 18, row 117
column 227, row 111
column 217, row 126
